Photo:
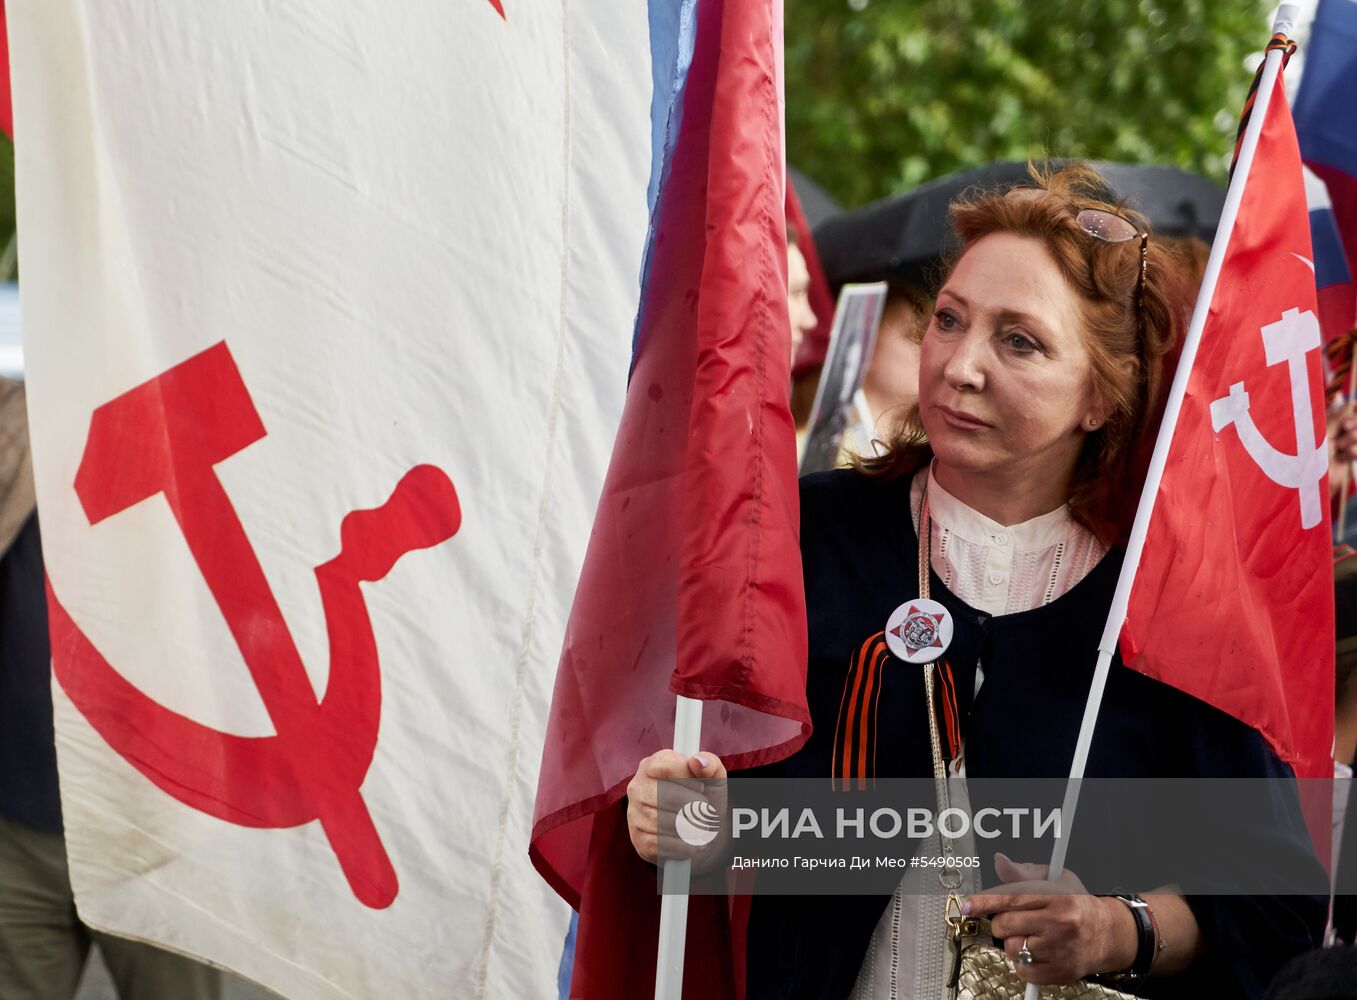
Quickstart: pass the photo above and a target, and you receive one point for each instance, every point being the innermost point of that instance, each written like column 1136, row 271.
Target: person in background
column 1342, row 454
column 890, row 387
column 800, row 313
column 43, row 944
column 803, row 321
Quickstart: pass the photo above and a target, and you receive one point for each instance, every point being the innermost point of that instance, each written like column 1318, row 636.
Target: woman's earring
column 1092, row 423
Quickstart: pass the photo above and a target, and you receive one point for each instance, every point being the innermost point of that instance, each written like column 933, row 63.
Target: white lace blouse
column 1002, row 569
column 998, row 569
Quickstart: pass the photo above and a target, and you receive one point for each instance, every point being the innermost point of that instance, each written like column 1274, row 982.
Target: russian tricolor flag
column 1326, row 115
column 1333, row 283
column 1326, row 125
column 692, row 582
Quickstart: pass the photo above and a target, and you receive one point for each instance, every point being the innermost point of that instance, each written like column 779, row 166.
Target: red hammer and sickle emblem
column 165, row 437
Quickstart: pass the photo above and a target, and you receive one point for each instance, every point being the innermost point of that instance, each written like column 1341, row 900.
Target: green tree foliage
column 7, row 186
column 885, row 94
column 8, row 270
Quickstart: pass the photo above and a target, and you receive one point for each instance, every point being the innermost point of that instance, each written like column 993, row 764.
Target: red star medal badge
column 919, row 631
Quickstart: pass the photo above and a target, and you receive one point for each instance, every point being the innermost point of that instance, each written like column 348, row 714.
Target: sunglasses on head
column 1114, row 229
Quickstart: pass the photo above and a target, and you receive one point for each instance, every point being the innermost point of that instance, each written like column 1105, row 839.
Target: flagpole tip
column 1286, row 19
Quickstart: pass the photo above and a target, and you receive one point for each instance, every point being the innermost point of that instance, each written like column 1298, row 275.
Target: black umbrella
column 902, row 239
column 816, row 203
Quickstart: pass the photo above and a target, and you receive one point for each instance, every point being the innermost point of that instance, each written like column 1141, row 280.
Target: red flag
column 1233, row 601
column 6, row 104
column 692, row 581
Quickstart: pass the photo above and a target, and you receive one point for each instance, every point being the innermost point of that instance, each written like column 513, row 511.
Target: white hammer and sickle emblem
column 1288, row 340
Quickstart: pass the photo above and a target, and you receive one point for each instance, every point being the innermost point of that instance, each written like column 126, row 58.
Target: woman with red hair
column 1040, row 383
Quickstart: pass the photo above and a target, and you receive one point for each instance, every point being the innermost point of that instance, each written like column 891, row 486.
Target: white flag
column 327, row 316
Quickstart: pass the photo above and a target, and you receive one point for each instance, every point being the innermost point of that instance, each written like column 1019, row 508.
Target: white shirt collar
column 1040, row 532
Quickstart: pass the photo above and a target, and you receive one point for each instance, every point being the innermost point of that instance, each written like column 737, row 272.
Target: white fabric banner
column 282, row 263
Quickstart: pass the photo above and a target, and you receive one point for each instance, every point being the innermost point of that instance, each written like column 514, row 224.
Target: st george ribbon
column 166, row 436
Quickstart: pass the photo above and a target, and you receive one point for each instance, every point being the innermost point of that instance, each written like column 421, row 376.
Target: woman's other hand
column 1072, row 935
column 1069, row 933
column 643, row 807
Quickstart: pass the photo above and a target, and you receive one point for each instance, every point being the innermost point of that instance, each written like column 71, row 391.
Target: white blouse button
column 1001, row 538
column 996, row 577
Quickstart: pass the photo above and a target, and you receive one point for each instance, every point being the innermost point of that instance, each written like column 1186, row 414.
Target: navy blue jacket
column 860, row 556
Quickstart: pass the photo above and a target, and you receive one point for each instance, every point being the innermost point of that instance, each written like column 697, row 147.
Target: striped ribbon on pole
column 1288, row 47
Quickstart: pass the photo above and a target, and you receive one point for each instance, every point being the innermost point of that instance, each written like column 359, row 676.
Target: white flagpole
column 677, row 872
column 1116, row 616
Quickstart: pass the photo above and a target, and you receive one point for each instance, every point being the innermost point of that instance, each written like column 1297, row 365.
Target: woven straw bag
column 987, row 974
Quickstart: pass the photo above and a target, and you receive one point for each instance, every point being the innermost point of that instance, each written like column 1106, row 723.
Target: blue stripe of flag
column 1331, row 267
column 1326, row 105
column 673, row 34
column 567, row 966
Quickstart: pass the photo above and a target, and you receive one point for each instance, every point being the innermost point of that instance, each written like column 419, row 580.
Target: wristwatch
column 1148, row 942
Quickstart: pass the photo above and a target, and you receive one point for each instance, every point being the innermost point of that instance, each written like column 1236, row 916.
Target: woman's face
column 1005, row 380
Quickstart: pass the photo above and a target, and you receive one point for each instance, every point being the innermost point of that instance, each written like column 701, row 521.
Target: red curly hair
column 1117, row 325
